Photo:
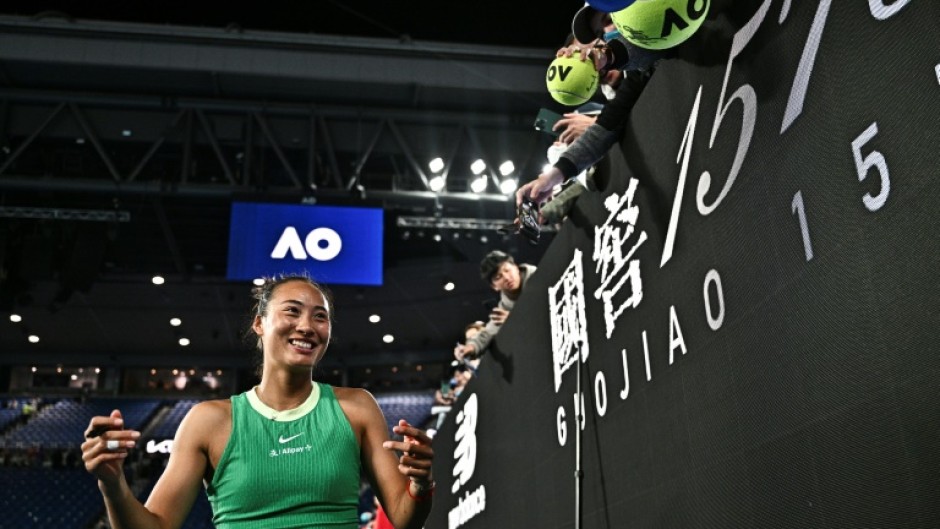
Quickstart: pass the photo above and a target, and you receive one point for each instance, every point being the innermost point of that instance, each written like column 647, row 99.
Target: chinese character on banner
column 569, row 324
column 614, row 266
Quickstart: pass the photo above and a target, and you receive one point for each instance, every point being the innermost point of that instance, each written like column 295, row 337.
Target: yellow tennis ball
column 571, row 81
column 660, row 24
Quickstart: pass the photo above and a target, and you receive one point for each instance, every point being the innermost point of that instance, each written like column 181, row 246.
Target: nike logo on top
column 283, row 440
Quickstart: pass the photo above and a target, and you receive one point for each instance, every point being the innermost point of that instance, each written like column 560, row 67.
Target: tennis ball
column 571, row 81
column 660, row 24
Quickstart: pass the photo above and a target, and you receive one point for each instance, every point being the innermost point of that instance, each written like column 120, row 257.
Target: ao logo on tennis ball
column 571, row 81
column 322, row 244
column 660, row 24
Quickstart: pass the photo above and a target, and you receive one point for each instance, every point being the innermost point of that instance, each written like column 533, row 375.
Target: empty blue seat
column 27, row 502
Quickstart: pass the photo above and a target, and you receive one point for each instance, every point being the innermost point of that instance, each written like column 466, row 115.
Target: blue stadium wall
column 760, row 351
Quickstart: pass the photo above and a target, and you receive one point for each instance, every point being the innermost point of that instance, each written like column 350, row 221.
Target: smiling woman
column 263, row 294
column 261, row 453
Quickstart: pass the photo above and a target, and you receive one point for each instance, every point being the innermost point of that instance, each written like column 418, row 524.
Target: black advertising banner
column 749, row 306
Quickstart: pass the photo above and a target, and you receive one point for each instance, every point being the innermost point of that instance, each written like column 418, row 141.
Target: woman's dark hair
column 262, row 295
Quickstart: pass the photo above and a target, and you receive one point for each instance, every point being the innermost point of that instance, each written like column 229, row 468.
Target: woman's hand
column 416, row 458
column 106, row 446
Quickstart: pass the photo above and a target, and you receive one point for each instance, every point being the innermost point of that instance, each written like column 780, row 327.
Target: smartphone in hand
column 545, row 120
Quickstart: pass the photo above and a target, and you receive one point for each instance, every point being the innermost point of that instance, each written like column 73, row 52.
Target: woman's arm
column 403, row 483
column 176, row 490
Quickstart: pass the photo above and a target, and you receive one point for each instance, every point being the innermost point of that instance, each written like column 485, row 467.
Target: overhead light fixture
column 97, row 370
column 258, row 281
column 126, row 133
column 33, row 369
column 73, row 377
column 176, row 322
column 184, row 341
column 436, row 165
column 80, row 141
column 436, row 183
column 16, row 318
column 375, row 318
column 388, row 338
column 437, row 237
column 35, row 339
column 508, row 186
column 506, row 168
column 478, row 185
column 478, row 166
column 158, row 280
column 448, row 286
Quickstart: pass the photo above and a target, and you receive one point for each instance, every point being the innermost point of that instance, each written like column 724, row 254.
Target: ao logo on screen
column 322, row 244
column 465, row 454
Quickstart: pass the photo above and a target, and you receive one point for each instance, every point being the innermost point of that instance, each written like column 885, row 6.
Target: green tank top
column 291, row 469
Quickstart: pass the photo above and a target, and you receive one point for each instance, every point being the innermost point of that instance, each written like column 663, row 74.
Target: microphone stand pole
column 578, row 473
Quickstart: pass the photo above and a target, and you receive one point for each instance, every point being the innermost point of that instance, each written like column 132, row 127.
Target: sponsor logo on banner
column 465, row 455
column 163, row 447
column 340, row 245
column 616, row 242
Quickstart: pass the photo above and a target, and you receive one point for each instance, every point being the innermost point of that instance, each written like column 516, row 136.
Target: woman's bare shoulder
column 213, row 407
column 210, row 415
column 354, row 396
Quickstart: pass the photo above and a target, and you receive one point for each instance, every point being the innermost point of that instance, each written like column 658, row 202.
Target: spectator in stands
column 444, row 396
column 288, row 451
column 450, row 391
column 460, row 377
column 591, row 27
column 469, row 332
column 508, row 279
